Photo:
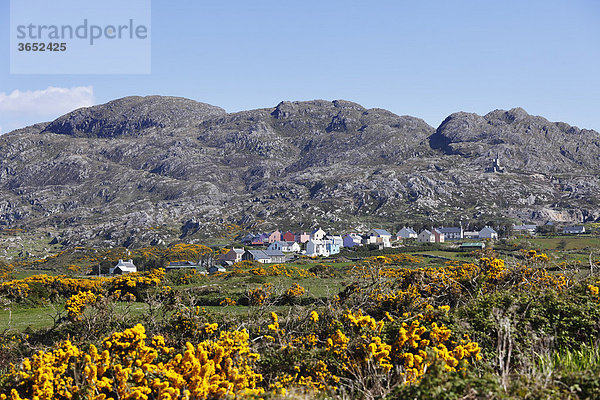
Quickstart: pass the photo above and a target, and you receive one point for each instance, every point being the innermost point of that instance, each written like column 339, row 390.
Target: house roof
column 125, row 268
column 488, row 229
column 407, row 230
column 450, row 229
column 427, row 232
column 381, row 232
column 181, row 264
column 575, row 228
column 259, row 254
column 128, row 264
column 353, row 236
column 274, row 253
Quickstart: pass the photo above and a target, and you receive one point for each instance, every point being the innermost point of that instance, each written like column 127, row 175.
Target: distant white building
column 123, row 267
column 574, row 230
column 488, row 233
column 426, row 236
column 316, row 248
column 317, row 234
column 257, row 255
column 452, row 233
column 286, row 247
column 379, row 236
column 336, row 240
column 471, row 234
column 524, row 229
column 406, row 233
column 276, row 256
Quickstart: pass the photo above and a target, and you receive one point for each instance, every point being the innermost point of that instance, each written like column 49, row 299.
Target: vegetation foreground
column 385, row 327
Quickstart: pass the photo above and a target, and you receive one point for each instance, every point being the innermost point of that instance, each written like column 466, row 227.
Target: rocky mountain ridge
column 141, row 170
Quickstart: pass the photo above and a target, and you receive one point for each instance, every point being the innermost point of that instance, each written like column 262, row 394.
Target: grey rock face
column 131, row 116
column 143, row 170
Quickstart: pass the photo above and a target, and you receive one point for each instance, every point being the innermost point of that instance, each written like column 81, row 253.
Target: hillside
column 139, row 170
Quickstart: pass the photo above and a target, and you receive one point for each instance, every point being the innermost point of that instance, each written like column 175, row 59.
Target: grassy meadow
column 519, row 319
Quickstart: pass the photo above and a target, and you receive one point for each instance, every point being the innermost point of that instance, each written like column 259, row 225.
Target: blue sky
column 421, row 58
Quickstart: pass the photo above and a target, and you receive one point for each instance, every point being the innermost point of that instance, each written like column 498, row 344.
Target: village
column 276, row 247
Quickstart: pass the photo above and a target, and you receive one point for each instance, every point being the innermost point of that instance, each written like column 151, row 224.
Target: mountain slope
column 143, row 169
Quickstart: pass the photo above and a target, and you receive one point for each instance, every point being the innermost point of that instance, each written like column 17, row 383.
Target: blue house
column 332, row 246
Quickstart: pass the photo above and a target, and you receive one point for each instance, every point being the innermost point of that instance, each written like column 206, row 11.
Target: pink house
column 302, row 237
column 289, row 237
column 275, row 236
column 439, row 236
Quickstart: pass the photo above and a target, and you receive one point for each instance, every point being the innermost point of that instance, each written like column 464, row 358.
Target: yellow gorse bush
column 132, row 367
column 76, row 304
column 66, row 287
column 295, row 290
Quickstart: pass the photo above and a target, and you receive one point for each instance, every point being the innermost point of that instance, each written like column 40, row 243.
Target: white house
column 286, row 247
column 452, row 233
column 426, row 237
column 257, row 255
column 336, row 239
column 276, row 256
column 524, row 229
column 317, row 234
column 352, row 239
column 574, row 230
column 406, row 233
column 488, row 233
column 123, row 267
column 316, row 248
column 471, row 234
column 379, row 236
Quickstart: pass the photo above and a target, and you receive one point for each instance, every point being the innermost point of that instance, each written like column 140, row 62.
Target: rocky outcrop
column 143, row 170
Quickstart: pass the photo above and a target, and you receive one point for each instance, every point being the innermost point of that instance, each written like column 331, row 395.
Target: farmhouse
column 452, row 233
column 257, row 255
column 316, row 248
column 406, row 233
column 317, row 234
column 285, row 247
column 426, row 236
column 123, row 267
column 379, row 236
column 524, row 229
column 471, row 234
column 574, row 230
column 488, row 233
column 276, row 256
